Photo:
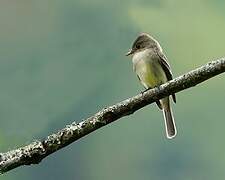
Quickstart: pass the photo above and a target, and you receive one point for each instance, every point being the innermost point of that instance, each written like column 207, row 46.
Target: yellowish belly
column 150, row 73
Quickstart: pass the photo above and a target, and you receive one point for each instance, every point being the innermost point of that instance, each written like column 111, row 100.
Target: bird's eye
column 138, row 46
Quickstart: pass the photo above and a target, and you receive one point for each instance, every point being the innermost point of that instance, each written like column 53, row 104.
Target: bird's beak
column 131, row 51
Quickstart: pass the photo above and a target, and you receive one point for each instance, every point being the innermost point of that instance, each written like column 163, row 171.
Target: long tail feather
column 169, row 120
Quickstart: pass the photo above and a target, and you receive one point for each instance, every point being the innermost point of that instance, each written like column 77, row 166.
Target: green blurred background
column 64, row 60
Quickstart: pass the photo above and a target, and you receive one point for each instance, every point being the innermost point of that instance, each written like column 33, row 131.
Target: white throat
column 142, row 55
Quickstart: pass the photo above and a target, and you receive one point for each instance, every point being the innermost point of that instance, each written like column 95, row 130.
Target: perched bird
column 152, row 68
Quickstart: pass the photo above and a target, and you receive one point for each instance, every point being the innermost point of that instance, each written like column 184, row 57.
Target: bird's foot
column 142, row 92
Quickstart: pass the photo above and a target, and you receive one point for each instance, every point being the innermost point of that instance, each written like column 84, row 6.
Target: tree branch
column 38, row 150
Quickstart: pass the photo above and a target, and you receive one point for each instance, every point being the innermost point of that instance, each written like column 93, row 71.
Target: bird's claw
column 142, row 92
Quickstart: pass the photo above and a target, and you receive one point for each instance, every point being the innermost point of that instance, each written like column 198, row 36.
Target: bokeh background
column 62, row 61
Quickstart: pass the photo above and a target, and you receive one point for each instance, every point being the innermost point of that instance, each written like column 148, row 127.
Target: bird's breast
column 148, row 69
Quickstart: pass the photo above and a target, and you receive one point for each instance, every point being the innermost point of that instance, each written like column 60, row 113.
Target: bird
column 152, row 69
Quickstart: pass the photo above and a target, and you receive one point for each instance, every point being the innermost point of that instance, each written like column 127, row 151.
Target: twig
column 36, row 151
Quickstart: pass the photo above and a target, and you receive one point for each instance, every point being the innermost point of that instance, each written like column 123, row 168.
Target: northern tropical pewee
column 152, row 69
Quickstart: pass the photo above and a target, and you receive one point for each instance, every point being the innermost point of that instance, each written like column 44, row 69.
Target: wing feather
column 166, row 67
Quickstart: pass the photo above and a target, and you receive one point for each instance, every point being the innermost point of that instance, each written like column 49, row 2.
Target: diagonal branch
column 38, row 150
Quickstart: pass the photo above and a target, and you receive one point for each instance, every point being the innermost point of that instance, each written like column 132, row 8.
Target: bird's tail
column 171, row 130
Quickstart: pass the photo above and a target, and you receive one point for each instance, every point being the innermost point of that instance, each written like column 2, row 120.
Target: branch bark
column 38, row 150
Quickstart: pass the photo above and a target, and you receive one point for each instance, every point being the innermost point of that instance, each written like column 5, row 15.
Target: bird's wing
column 166, row 67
